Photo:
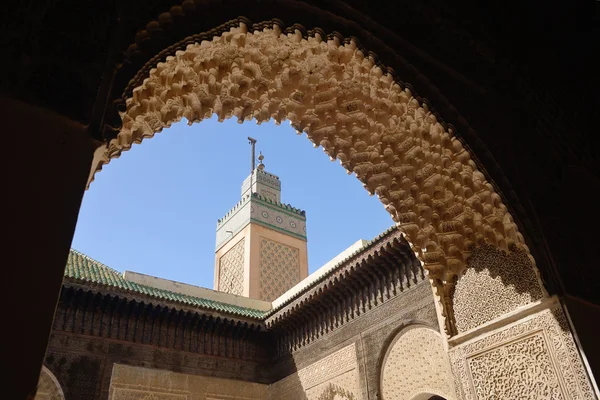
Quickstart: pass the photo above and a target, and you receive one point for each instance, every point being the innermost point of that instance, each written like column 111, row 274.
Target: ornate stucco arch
column 357, row 112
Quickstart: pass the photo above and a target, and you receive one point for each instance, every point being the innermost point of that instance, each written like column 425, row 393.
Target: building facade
column 363, row 326
column 131, row 336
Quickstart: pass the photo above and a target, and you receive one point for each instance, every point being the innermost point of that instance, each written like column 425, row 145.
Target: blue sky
column 155, row 209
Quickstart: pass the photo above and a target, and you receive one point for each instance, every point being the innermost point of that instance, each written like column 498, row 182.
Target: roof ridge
column 165, row 294
column 120, row 283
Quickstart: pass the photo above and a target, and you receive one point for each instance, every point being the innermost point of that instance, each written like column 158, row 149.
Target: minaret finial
column 261, row 166
column 252, row 141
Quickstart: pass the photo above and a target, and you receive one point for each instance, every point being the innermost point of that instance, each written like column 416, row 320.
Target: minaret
column 261, row 247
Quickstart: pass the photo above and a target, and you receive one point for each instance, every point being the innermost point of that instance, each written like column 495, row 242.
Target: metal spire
column 252, row 141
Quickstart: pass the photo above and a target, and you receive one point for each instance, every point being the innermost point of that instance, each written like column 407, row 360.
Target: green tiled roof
column 84, row 268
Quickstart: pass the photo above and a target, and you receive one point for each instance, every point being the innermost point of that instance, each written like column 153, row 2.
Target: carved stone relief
column 279, row 268
column 352, row 108
column 231, row 270
column 339, row 369
column 503, row 282
column 416, row 362
column 48, row 387
column 532, row 359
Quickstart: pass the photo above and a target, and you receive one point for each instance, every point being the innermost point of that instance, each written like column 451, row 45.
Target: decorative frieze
column 279, row 217
column 256, row 209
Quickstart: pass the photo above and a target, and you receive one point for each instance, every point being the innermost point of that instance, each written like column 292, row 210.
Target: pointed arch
column 357, row 112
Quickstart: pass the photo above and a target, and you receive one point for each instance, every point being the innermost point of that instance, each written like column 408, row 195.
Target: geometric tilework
column 279, row 269
column 231, row 270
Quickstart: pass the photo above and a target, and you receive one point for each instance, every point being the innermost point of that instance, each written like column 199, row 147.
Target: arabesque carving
column 528, row 360
column 352, row 108
column 504, row 282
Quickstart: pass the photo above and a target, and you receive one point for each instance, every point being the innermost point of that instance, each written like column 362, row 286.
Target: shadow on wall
column 495, row 283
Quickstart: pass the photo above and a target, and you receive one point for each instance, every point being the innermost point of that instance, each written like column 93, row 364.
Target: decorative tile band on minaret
column 267, row 236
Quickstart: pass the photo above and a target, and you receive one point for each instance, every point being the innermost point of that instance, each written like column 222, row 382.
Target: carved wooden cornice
column 137, row 320
column 363, row 282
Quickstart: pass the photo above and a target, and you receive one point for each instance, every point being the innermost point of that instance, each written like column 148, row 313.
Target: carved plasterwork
column 231, row 270
column 138, row 383
column 502, row 283
column 314, row 382
column 352, row 108
column 533, row 359
column 279, row 268
column 416, row 362
column 48, row 387
column 524, row 366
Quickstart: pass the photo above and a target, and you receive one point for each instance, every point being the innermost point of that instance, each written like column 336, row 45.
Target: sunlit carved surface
column 533, row 359
column 415, row 363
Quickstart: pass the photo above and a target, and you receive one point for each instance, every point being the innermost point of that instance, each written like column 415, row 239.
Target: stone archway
column 357, row 112
column 48, row 387
column 416, row 367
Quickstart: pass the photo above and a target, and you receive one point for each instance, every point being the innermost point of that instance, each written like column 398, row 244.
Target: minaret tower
column 261, row 243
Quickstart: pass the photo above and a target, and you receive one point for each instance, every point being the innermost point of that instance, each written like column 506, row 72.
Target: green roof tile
column 81, row 267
